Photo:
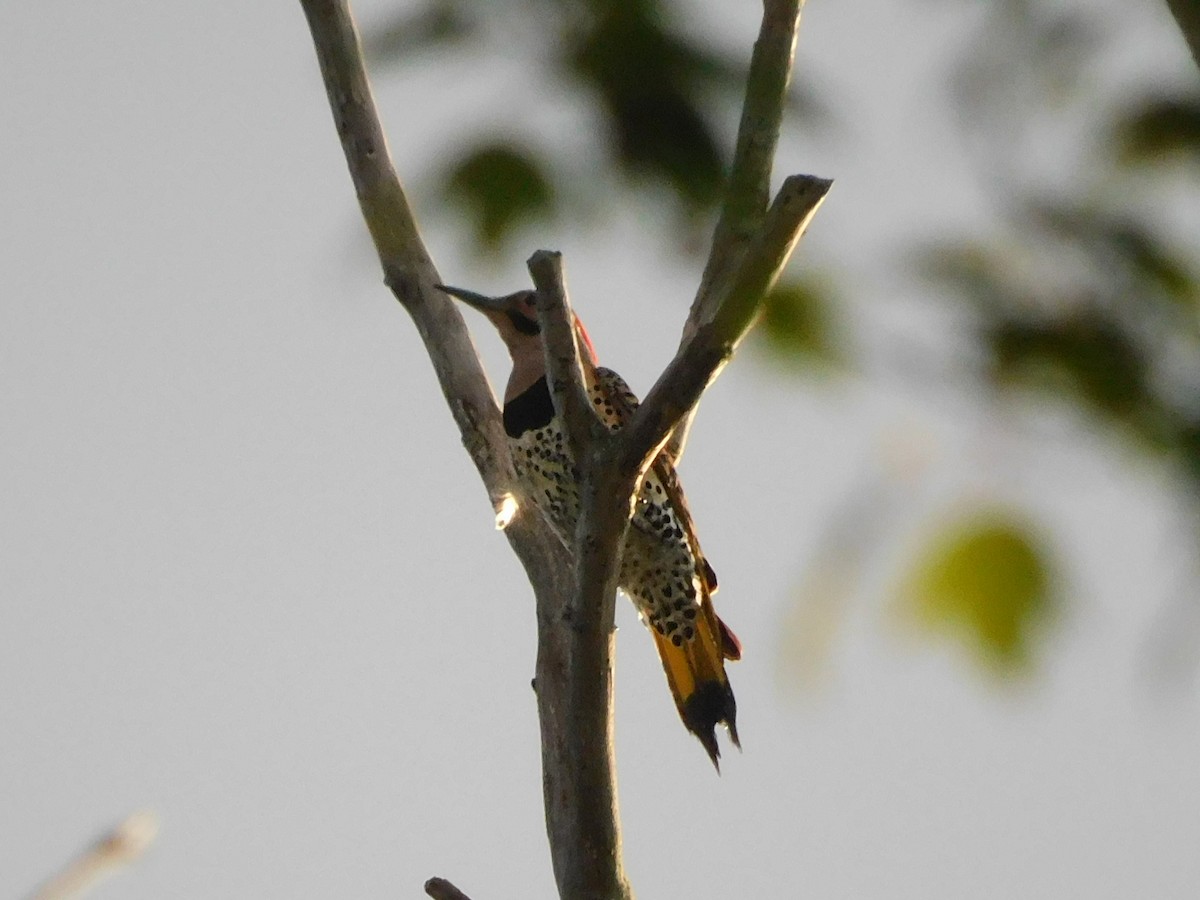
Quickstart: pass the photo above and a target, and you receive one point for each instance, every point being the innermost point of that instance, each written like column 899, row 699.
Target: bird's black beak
column 477, row 301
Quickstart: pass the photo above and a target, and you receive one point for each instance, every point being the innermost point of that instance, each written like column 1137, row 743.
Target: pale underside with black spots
column 661, row 569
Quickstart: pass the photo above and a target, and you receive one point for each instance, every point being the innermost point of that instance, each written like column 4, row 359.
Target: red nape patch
column 731, row 647
column 587, row 342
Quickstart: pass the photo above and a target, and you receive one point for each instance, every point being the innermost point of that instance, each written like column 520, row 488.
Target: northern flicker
column 663, row 570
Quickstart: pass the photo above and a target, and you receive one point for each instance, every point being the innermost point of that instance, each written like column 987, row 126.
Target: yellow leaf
column 986, row 580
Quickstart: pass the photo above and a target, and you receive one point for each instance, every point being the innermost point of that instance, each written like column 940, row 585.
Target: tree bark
column 580, row 772
column 441, row 889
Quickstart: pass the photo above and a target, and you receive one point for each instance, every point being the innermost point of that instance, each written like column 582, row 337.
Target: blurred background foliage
column 983, row 579
column 1085, row 288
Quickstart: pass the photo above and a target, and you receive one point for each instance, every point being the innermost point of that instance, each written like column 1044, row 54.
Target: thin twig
column 441, row 889
column 561, row 344
column 797, row 202
column 408, row 268
column 380, row 194
column 749, row 186
column 699, row 361
column 118, row 848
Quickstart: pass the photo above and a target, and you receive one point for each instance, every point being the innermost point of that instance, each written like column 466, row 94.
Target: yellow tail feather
column 695, row 671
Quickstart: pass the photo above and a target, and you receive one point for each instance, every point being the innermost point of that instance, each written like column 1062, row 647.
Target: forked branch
column 749, row 187
column 700, row 359
column 575, row 601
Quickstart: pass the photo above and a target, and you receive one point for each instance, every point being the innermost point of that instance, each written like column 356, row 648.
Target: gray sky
column 249, row 579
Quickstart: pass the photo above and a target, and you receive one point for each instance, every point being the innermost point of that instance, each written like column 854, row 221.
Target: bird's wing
column 616, row 407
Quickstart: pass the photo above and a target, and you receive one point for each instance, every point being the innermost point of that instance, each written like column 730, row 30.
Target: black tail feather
column 712, row 704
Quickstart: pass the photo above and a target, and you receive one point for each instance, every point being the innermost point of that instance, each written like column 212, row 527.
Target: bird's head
column 515, row 317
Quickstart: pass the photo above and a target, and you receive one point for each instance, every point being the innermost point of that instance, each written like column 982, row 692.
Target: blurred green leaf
column 655, row 88
column 1001, row 96
column 1159, row 128
column 1063, row 43
column 797, row 324
column 1159, row 265
column 1145, row 269
column 1091, row 335
column 1188, row 447
column 977, row 272
column 405, row 32
column 502, row 186
column 1096, row 355
column 986, row 580
column 664, row 136
column 649, row 83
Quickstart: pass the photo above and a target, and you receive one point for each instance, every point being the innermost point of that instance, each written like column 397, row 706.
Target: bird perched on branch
column 663, row 570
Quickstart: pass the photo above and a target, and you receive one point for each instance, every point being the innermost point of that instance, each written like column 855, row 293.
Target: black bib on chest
column 532, row 409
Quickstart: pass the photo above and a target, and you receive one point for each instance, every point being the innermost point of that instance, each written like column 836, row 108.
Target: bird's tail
column 696, row 673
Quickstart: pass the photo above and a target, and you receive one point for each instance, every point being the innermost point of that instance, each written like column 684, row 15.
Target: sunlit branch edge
column 748, row 187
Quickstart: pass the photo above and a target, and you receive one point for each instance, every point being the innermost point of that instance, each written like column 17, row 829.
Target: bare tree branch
column 700, row 359
column 380, row 194
column 586, row 787
column 749, row 186
column 797, row 202
column 407, row 266
column 567, row 383
column 581, row 795
column 120, row 847
column 574, row 684
column 441, row 889
column 579, row 784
